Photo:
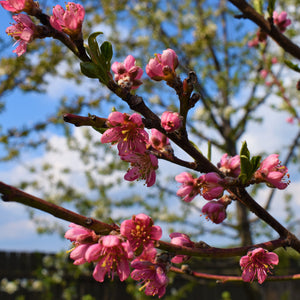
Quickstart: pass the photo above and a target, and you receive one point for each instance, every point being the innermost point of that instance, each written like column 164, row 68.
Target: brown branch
column 10, row 193
column 226, row 278
column 93, row 120
column 250, row 13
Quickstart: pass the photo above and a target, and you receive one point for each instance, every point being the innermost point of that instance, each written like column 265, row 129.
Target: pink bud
column 181, row 239
column 263, row 73
column 163, row 66
column 281, row 20
column 215, row 211
column 171, row 121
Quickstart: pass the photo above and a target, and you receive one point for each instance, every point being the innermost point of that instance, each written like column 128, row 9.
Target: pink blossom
column 78, row 253
column 16, row 6
column 23, row 32
column 112, row 255
column 263, row 73
column 181, row 239
column 274, row 60
column 171, row 121
column 128, row 131
column 230, row 166
column 81, row 234
column 215, row 211
column 163, row 66
column 272, row 172
column 160, row 143
column 281, row 20
column 257, row 263
column 190, row 186
column 140, row 231
column 211, row 186
column 153, row 274
column 260, row 37
column 69, row 20
column 127, row 74
column 143, row 166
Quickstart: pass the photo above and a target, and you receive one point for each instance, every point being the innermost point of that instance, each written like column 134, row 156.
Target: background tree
column 210, row 41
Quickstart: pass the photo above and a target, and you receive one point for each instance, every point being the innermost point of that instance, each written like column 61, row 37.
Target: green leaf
column 94, row 50
column 271, row 7
column 107, row 52
column 89, row 69
column 93, row 70
column 244, row 150
column 292, row 65
column 258, row 5
column 255, row 162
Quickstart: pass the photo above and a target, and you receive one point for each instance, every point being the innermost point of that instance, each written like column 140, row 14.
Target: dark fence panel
column 22, row 265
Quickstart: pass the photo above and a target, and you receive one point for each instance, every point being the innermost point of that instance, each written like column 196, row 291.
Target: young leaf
column 271, row 7
column 244, row 150
column 255, row 162
column 107, row 52
column 292, row 66
column 94, row 50
column 258, row 5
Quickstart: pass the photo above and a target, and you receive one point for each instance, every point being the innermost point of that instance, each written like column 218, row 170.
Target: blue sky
column 17, row 231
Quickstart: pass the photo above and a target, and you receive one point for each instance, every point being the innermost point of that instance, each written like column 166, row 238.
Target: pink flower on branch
column 128, row 131
column 163, row 66
column 151, row 273
column 143, row 166
column 23, row 32
column 112, row 255
column 127, row 74
column 17, row 6
column 181, row 239
column 140, row 231
column 81, row 234
column 215, row 211
column 271, row 172
column 257, row 264
column 281, row 20
column 189, row 188
column 230, row 166
column 78, row 253
column 211, row 186
column 70, row 20
column 171, row 121
column 160, row 143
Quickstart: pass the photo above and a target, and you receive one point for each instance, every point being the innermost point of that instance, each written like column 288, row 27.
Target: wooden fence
column 23, row 265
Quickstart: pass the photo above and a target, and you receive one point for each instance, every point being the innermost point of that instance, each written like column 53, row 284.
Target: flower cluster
column 211, row 186
column 257, row 264
column 133, row 142
column 115, row 253
column 25, row 31
column 129, row 134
